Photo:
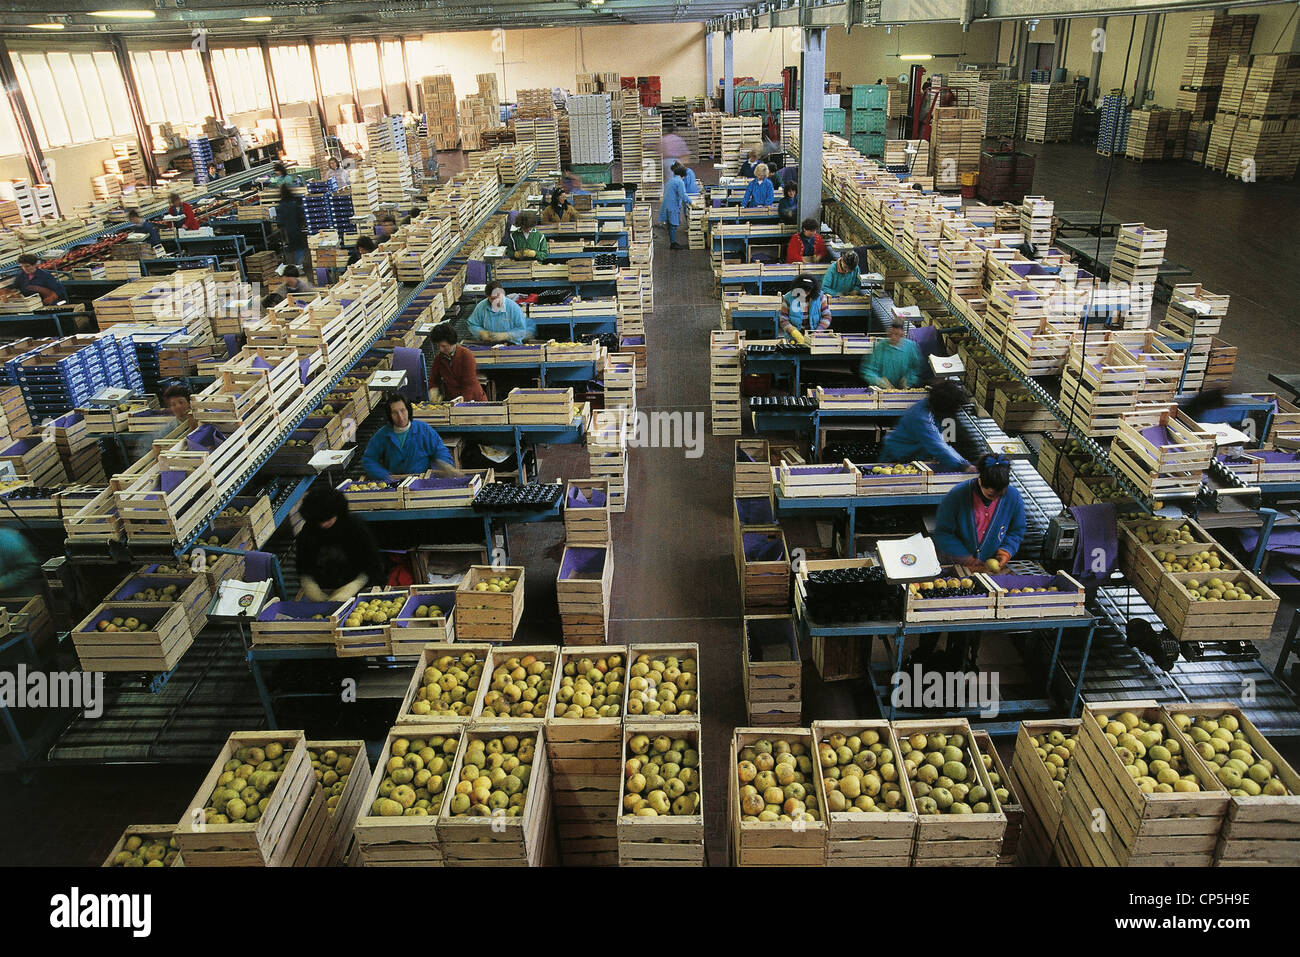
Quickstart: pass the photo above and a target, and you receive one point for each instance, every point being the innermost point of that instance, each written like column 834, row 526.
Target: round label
column 908, row 559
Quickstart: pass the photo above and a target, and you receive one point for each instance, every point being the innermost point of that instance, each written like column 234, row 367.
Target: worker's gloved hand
column 970, row 469
column 311, row 591
column 484, row 336
column 970, row 561
column 1003, row 556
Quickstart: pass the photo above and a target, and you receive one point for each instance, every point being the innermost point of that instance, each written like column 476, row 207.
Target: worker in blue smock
column 748, row 167
column 787, row 210
column 670, row 210
column 894, row 363
column 760, row 191
column 983, row 519
column 32, row 280
column 916, row 437
column 498, row 318
column 405, row 446
column 141, row 225
column 688, row 177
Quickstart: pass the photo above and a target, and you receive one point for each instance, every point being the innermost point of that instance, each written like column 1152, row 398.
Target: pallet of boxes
column 661, row 797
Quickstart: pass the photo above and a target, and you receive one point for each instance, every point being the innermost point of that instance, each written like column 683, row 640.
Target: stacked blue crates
column 1112, row 133
column 868, row 120
column 317, row 205
column 201, row 155
column 53, row 384
column 1040, row 76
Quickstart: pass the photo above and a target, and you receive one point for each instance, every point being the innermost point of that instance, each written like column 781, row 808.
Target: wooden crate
column 773, row 675
column 429, row 656
column 489, row 616
column 862, row 839
column 586, row 512
column 502, row 840
column 252, row 512
column 1065, row 602
column 294, row 623
column 148, row 834
column 157, row 649
column 544, row 704
column 887, row 480
column 1176, row 829
column 268, row 841
column 946, row 840
column 355, row 641
column 405, row 840
column 325, row 829
column 409, row 633
column 765, row 570
column 1146, row 573
column 1162, row 459
column 1202, row 620
column 685, row 653
column 191, row 592
column 973, row 608
column 385, row 496
column 817, row 481
column 586, row 768
column 1258, row 831
column 753, row 470
column 773, row 843
column 156, row 508
column 1040, row 796
column 1012, row 807
column 673, row 840
column 582, row 590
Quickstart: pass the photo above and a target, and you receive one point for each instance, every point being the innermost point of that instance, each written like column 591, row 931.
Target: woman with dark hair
column 405, row 446
column 672, row 208
column 337, row 557
column 981, row 522
column 842, row 277
column 807, row 245
column 279, row 175
column 787, row 210
column 559, row 209
column 917, row 436
column 292, row 217
column 525, row 241
column 336, row 172
column 804, row 307
column 498, row 318
column 455, row 371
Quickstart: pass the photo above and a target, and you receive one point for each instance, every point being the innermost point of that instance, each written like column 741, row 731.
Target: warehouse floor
column 674, row 576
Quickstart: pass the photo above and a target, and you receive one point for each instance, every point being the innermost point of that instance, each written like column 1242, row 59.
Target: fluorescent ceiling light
column 256, row 19
column 916, row 56
column 45, row 26
column 124, row 14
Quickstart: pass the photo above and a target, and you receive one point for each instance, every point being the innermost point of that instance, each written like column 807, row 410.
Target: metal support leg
column 262, row 691
column 1268, row 516
column 1083, row 671
column 1290, row 644
column 1056, row 654
column 14, row 736
column 900, row 640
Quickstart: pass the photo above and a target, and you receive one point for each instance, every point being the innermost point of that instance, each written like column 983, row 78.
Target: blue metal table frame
column 258, row 655
column 491, row 520
column 13, row 640
column 899, row 632
column 560, row 370
column 521, row 435
column 55, row 322
column 570, row 326
column 583, row 287
column 256, row 232
column 792, row 363
column 813, row 420
column 812, row 506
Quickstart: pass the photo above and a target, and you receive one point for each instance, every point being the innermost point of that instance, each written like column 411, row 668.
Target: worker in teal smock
column 916, row 437
column 675, row 199
column 405, row 446
column 894, row 363
column 20, row 570
column 842, row 277
column 760, row 191
column 498, row 318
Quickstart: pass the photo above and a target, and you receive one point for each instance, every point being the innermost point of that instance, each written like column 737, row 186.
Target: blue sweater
column 760, row 192
column 954, row 526
column 917, row 438
column 511, row 319
column 670, row 210
column 43, row 279
column 692, row 184
column 423, row 447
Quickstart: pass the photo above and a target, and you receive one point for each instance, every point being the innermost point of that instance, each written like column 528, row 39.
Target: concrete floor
column 674, row 577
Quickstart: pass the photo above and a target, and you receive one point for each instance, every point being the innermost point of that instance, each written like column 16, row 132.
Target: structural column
column 708, row 64
column 728, row 74
column 812, row 90
column 26, row 129
column 265, row 46
column 142, row 133
column 1098, row 40
column 1149, row 35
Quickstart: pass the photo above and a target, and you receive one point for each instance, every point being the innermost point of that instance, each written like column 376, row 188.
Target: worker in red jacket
column 455, row 371
column 807, row 246
column 177, row 207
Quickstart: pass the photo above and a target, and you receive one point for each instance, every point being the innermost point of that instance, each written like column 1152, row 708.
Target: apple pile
column 943, row 779
column 375, row 611
column 448, row 686
column 776, row 782
column 859, row 774
column 501, row 583
column 146, row 850
column 369, row 487
column 121, row 624
column 1163, row 533
column 1153, row 759
column 1055, row 749
column 1233, row 759
column 332, row 770
column 591, row 688
column 246, row 783
column 494, row 777
column 662, row 686
column 1216, row 589
column 415, row 775
column 166, row 593
column 946, row 588
column 662, row 777
column 1203, row 561
column 519, row 688
column 903, row 469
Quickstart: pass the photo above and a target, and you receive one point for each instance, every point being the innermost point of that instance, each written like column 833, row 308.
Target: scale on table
column 236, row 599
column 1012, row 449
column 386, row 380
column 475, row 289
column 908, row 559
column 911, row 313
column 873, row 280
column 494, row 252
column 327, row 460
column 1225, row 435
column 110, row 396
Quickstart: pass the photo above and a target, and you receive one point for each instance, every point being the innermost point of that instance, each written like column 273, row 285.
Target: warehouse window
column 241, row 79
column 11, row 142
column 292, row 67
column 173, row 88
column 82, row 97
column 394, row 70
column 332, row 63
column 365, row 62
column 418, row 58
